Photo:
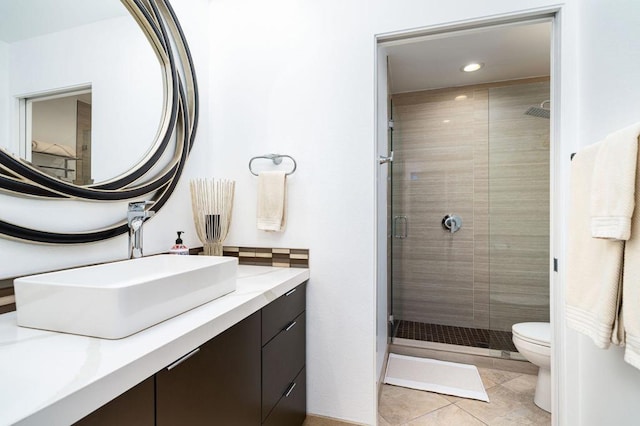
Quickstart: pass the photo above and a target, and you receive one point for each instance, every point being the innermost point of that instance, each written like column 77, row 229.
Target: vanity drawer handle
column 290, row 326
column 288, row 392
column 290, row 292
column 183, row 359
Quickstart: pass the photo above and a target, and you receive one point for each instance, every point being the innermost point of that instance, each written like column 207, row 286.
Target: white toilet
column 533, row 341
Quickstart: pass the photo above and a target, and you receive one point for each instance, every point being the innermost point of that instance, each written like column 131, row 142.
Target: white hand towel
column 272, row 201
column 593, row 265
column 614, row 176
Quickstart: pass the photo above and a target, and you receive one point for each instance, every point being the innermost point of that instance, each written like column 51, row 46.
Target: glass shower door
column 439, row 141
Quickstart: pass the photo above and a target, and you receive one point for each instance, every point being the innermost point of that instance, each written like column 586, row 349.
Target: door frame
column 558, row 181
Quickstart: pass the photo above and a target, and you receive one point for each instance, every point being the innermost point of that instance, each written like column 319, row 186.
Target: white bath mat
column 432, row 375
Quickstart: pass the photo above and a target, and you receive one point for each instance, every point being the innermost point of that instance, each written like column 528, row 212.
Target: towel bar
column 276, row 158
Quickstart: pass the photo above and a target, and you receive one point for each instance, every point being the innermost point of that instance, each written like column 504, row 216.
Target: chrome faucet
column 136, row 215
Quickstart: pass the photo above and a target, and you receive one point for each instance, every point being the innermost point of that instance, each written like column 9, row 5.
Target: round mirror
column 98, row 102
column 69, row 75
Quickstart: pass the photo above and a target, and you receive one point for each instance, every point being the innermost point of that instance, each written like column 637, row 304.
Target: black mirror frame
column 179, row 122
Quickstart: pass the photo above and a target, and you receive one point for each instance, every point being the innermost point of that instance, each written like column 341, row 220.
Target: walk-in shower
column 470, row 212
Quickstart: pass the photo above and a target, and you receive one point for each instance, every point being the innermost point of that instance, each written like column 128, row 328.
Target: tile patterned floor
column 510, row 395
column 474, row 337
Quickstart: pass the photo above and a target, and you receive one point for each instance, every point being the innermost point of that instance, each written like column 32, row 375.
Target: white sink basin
column 115, row 300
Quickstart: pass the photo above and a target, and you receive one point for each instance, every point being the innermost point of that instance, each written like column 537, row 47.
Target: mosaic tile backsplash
column 280, row 257
column 7, row 299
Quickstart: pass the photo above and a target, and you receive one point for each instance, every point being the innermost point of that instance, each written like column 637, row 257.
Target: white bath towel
column 631, row 287
column 614, row 177
column 272, row 201
column 593, row 265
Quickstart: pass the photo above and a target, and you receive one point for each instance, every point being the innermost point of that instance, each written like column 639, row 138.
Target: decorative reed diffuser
column 212, row 204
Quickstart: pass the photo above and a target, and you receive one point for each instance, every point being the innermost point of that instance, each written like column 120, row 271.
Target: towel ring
column 277, row 159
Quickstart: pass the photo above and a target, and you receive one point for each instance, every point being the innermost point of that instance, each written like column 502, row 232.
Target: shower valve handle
column 452, row 223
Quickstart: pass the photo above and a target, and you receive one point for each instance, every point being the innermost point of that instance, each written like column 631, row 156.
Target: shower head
column 539, row 111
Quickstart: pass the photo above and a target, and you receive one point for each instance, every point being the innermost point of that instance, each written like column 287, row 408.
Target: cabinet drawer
column 282, row 359
column 279, row 313
column 292, row 408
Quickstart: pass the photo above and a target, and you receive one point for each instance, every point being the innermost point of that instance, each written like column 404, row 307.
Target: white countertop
column 56, row 378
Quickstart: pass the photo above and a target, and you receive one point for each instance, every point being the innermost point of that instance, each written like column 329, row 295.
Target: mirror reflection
column 58, row 136
column 69, row 70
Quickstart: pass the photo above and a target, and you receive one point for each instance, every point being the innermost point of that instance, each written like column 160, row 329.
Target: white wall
column 22, row 258
column 297, row 77
column 115, row 58
column 606, row 390
column 4, row 92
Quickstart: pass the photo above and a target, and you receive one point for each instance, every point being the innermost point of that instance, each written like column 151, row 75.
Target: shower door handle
column 400, row 227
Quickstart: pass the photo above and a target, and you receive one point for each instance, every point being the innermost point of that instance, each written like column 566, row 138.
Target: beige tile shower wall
column 443, row 167
column 519, row 206
column 481, row 300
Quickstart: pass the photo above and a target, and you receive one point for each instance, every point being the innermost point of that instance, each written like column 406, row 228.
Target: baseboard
column 315, row 420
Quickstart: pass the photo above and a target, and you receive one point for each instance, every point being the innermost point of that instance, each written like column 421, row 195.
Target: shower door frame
column 558, row 179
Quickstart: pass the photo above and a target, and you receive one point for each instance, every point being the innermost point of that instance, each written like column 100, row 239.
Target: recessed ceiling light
column 473, row 66
column 460, row 98
column 446, row 121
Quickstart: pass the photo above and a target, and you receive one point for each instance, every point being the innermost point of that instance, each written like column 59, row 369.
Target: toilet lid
column 534, row 332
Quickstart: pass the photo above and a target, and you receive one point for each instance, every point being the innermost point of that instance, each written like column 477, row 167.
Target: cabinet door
column 218, row 385
column 135, row 407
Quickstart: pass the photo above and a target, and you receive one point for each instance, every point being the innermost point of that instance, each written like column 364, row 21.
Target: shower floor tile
column 463, row 336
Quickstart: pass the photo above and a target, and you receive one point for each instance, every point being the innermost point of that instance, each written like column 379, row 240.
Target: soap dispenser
column 179, row 247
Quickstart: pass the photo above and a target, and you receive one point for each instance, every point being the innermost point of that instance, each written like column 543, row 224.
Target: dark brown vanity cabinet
column 134, row 407
column 251, row 374
column 284, row 399
column 217, row 385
